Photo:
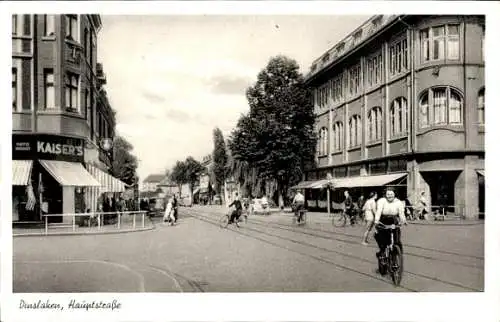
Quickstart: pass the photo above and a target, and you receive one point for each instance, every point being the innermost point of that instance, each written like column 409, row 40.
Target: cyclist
column 298, row 205
column 388, row 211
column 349, row 206
column 236, row 213
column 369, row 210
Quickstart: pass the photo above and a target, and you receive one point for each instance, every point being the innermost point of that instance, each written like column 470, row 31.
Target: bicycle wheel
column 382, row 266
column 396, row 265
column 339, row 220
column 224, row 221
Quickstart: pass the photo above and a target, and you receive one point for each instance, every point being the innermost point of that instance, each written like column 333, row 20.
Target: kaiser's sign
column 48, row 147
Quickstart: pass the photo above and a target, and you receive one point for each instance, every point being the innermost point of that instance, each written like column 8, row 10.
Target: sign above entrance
column 47, row 147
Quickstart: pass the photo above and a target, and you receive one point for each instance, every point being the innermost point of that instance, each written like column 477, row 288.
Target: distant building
column 400, row 102
column 152, row 182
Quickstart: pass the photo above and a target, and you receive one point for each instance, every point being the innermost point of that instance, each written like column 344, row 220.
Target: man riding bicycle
column 388, row 211
column 236, row 213
column 298, row 205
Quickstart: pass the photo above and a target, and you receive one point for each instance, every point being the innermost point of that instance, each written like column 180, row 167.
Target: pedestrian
column 169, row 212
column 360, row 204
column 369, row 211
column 348, row 206
column 422, row 206
column 175, row 207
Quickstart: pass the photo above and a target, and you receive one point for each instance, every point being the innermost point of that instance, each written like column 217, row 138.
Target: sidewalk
column 68, row 230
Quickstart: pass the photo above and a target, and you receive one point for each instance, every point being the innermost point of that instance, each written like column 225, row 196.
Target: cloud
column 177, row 116
column 230, row 85
column 152, row 97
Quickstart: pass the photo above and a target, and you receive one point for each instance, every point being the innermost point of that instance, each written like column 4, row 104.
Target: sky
column 173, row 79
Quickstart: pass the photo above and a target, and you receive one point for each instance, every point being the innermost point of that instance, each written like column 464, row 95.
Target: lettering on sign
column 59, row 149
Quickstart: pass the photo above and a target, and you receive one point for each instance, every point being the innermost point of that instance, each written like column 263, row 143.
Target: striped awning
column 21, row 172
column 107, row 181
column 303, row 185
column 69, row 173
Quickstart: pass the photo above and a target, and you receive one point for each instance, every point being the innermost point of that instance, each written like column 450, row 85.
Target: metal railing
column 119, row 220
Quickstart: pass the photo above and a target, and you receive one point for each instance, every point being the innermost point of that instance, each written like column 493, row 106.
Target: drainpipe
column 466, row 130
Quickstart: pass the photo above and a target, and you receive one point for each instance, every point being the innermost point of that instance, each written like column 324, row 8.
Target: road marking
column 166, row 273
column 122, row 266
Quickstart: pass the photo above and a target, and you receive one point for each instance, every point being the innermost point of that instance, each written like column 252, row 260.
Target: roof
column 355, row 40
column 154, row 178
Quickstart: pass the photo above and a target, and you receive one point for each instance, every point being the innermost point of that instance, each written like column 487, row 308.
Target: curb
column 83, row 234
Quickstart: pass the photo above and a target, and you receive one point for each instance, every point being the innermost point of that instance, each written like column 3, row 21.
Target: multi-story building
column 151, row 183
column 400, row 101
column 60, row 114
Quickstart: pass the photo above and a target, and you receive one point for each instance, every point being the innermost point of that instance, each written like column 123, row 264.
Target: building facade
column 402, row 98
column 60, row 114
column 152, row 182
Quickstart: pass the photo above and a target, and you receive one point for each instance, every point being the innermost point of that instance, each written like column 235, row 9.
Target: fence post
column 99, row 221
column 134, row 221
column 143, row 224
column 46, row 225
column 119, row 219
column 74, row 222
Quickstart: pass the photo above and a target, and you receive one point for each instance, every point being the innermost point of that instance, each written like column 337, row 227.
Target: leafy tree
column 178, row 174
column 219, row 160
column 276, row 139
column 124, row 165
column 186, row 172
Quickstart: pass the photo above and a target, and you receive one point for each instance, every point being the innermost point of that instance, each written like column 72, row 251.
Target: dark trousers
column 383, row 236
column 297, row 209
column 235, row 215
column 175, row 213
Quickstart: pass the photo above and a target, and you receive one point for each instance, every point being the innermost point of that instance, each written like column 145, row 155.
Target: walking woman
column 369, row 210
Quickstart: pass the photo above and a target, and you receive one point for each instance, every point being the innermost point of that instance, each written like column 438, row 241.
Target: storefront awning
column 70, row 173
column 107, row 182
column 320, row 184
column 367, row 181
column 21, row 172
column 303, row 185
column 481, row 172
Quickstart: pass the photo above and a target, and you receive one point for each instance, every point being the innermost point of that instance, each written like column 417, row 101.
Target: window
column 14, row 89
column 355, row 131
column 480, row 107
column 374, row 70
column 49, row 91
column 26, row 25
column 14, row 24
column 323, row 141
column 440, row 106
column 72, row 27
column 437, row 41
column 399, row 117
column 49, row 22
column 354, row 79
column 338, row 136
column 398, row 55
column 322, row 96
column 72, row 92
column 483, row 56
column 336, row 89
column 375, row 124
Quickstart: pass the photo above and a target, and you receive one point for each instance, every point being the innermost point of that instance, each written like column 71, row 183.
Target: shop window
column 399, row 117
column 480, row 107
column 440, row 106
column 340, row 172
column 398, row 165
column 354, row 171
column 48, row 78
column 355, row 131
column 49, row 25
column 377, row 167
column 375, row 124
column 439, row 42
column 338, row 136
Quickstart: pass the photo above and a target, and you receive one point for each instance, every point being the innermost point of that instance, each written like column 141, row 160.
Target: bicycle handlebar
column 393, row 226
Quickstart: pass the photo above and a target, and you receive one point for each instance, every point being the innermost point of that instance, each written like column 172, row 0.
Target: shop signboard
column 47, row 147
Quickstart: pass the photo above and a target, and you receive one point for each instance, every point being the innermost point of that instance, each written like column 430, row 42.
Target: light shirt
column 394, row 208
column 370, row 206
column 299, row 198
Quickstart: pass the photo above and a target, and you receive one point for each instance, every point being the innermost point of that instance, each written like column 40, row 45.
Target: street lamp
column 108, row 147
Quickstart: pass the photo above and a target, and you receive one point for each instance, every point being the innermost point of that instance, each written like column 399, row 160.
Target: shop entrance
column 51, row 198
column 442, row 187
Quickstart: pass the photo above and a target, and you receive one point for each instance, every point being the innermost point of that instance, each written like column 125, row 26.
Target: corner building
column 400, row 102
column 60, row 113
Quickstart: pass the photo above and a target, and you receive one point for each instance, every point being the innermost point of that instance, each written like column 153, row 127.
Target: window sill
column 25, row 112
column 49, row 38
column 74, row 114
column 398, row 75
column 25, row 37
column 336, row 152
column 397, row 137
column 72, row 42
column 454, row 128
column 353, row 148
column 373, row 143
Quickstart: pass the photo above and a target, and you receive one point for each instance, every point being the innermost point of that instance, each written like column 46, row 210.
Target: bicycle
column 300, row 219
column 392, row 257
column 340, row 219
column 224, row 219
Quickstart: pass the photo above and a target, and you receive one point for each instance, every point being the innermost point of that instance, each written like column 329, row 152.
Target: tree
column 124, row 165
column 219, row 160
column 186, row 172
column 276, row 138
